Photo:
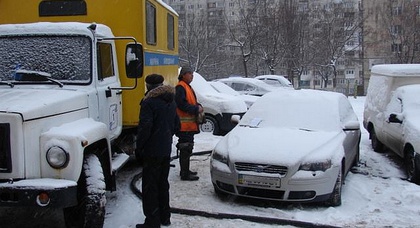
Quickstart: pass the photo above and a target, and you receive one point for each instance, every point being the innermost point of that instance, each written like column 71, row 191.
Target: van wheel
column 377, row 145
column 335, row 198
column 90, row 212
column 410, row 166
column 210, row 125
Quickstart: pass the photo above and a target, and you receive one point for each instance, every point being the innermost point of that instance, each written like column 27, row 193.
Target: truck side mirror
column 393, row 118
column 134, row 60
column 235, row 119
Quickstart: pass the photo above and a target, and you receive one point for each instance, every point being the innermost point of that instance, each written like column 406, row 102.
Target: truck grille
column 261, row 168
column 5, row 156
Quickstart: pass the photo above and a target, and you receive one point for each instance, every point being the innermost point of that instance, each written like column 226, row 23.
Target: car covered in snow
column 249, row 86
column 218, row 108
column 225, row 89
column 275, row 80
column 298, row 150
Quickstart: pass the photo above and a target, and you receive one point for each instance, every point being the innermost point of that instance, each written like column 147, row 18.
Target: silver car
column 298, row 150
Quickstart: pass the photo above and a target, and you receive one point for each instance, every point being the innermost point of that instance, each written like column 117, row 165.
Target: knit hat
column 183, row 71
column 153, row 81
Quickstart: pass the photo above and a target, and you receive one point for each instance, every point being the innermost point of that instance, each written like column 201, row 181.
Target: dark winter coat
column 158, row 122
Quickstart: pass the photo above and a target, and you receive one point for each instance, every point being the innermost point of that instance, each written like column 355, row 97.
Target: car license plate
column 271, row 182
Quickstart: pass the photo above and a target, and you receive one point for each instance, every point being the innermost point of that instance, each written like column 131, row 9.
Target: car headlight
column 219, row 157
column 57, row 157
column 316, row 166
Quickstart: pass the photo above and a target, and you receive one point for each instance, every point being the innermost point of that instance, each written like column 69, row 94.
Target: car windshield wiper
column 7, row 83
column 28, row 75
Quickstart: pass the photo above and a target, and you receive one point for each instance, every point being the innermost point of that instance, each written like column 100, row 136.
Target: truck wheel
column 335, row 198
column 90, row 212
column 210, row 125
column 410, row 166
column 377, row 145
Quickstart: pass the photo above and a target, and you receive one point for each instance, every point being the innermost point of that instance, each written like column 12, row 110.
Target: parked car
column 275, row 80
column 392, row 113
column 298, row 150
column 218, row 108
column 225, row 89
column 249, row 86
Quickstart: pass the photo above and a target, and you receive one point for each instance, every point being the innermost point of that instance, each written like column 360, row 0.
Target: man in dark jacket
column 157, row 125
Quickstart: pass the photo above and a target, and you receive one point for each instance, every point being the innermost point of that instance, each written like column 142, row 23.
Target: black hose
column 262, row 220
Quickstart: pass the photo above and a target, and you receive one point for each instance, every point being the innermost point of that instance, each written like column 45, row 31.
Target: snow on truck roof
column 396, row 70
column 61, row 28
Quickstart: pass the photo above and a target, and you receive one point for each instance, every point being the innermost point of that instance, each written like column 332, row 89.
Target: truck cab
column 60, row 109
column 391, row 113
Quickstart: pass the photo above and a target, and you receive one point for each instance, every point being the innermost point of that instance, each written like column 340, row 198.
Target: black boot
column 184, row 163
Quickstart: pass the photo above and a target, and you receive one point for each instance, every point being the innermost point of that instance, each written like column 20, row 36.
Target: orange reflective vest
column 188, row 121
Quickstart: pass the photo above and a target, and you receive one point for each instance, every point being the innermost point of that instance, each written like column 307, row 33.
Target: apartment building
column 342, row 72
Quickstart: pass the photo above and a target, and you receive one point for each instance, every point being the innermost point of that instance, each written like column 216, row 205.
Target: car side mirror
column 351, row 126
column 235, row 119
column 393, row 118
column 134, row 60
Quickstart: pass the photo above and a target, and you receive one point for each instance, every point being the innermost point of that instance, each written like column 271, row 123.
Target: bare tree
column 401, row 21
column 201, row 41
column 245, row 30
column 335, row 33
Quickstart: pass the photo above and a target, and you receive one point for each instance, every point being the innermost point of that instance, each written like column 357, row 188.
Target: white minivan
column 392, row 113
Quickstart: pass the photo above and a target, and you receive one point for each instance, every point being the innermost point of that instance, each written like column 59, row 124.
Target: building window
column 396, row 48
column 150, row 23
column 396, row 30
column 397, row 10
column 171, row 33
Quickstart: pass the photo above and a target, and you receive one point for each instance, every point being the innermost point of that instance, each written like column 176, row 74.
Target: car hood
column 32, row 104
column 280, row 146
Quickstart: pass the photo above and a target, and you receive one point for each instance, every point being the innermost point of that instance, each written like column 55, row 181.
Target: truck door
column 393, row 131
column 110, row 106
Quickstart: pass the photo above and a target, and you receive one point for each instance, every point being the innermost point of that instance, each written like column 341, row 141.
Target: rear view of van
column 392, row 113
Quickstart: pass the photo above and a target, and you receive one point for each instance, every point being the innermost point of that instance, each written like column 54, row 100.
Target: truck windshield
column 65, row 58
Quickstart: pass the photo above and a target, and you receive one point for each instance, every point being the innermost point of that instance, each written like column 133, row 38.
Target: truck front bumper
column 38, row 192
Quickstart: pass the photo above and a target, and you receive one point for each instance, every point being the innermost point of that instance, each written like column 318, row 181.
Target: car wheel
column 335, row 198
column 377, row 145
column 90, row 212
column 410, row 166
column 210, row 125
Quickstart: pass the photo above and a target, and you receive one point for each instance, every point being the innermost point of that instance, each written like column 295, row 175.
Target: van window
column 105, row 61
column 150, row 23
column 170, row 32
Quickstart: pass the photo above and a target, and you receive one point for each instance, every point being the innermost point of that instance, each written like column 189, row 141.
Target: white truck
column 392, row 113
column 68, row 115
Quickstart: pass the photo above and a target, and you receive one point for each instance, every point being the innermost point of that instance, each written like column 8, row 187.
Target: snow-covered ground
column 375, row 194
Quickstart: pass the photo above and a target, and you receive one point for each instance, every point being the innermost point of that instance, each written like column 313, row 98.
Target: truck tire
column 410, row 166
column 377, row 145
column 90, row 212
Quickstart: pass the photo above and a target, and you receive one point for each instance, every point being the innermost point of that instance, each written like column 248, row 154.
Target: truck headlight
column 57, row 157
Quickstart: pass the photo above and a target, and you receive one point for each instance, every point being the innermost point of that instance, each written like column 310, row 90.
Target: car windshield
column 293, row 112
column 65, row 58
